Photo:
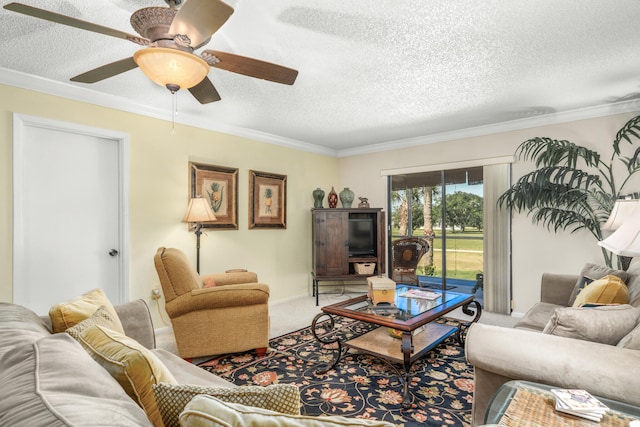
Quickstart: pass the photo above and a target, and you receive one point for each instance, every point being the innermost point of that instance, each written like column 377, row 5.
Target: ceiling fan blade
column 252, row 67
column 106, row 71
column 205, row 92
column 72, row 22
column 199, row 19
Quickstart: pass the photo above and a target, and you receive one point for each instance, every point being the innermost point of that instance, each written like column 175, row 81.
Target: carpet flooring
column 360, row 386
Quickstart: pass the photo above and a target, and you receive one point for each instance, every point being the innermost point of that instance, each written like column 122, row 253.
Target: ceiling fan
column 170, row 37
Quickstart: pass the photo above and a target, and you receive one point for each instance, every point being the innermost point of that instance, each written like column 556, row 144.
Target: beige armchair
column 230, row 317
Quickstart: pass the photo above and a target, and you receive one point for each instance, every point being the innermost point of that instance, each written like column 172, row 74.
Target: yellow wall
column 535, row 250
column 159, row 192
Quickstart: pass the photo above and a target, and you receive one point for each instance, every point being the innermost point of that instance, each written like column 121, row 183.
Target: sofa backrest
column 633, row 284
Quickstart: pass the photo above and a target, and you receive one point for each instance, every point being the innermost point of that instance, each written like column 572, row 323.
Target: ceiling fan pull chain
column 174, row 110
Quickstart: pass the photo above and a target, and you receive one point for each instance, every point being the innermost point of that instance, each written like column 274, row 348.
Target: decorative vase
column 346, row 197
column 333, row 198
column 318, row 196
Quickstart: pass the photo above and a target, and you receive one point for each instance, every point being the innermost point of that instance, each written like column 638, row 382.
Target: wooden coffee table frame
column 419, row 334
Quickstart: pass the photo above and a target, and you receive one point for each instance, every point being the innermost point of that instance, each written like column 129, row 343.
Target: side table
column 523, row 403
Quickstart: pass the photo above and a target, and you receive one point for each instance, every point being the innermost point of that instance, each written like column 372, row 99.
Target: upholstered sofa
column 593, row 347
column 92, row 375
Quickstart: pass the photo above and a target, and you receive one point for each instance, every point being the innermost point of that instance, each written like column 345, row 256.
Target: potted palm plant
column 572, row 187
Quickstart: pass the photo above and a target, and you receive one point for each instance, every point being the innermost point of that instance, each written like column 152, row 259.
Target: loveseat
column 593, row 347
column 91, row 375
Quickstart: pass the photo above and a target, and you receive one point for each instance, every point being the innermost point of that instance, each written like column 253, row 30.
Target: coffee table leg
column 325, row 367
column 407, row 350
column 469, row 312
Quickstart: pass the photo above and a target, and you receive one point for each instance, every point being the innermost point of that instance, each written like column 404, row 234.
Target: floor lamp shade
column 198, row 211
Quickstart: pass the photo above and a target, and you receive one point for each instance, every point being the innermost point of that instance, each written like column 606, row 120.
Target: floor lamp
column 199, row 211
column 625, row 240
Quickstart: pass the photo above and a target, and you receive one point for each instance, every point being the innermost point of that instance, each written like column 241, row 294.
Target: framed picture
column 219, row 185
column 267, row 200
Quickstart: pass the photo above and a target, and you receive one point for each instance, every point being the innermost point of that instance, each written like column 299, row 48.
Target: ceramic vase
column 333, row 198
column 346, row 197
column 318, row 197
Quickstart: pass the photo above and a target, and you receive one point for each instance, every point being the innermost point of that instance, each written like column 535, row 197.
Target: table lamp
column 198, row 211
column 625, row 240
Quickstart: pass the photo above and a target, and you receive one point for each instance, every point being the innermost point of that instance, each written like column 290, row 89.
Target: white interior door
column 70, row 232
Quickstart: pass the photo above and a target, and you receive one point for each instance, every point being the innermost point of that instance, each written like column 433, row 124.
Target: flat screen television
column 361, row 236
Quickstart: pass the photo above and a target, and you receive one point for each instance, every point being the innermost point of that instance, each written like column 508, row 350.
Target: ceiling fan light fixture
column 171, row 68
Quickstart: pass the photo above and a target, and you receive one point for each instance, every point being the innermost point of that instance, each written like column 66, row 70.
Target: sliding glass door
column 446, row 209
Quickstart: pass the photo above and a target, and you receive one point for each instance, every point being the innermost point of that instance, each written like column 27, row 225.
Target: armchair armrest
column 557, row 288
column 231, row 278
column 502, row 354
column 217, row 297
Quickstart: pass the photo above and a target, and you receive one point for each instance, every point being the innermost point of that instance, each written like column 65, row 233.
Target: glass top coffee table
column 412, row 319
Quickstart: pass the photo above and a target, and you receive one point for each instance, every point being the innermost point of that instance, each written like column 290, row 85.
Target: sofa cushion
column 172, row 398
column 632, row 339
column 606, row 290
column 205, row 411
column 54, row 382
column 537, row 317
column 69, row 313
column 592, row 272
column 134, row 367
column 602, row 324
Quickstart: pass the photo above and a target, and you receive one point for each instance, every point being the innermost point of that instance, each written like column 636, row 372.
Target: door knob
column 113, row 252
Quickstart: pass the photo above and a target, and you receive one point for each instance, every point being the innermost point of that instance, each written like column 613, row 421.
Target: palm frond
column 549, row 186
column 552, row 152
column 626, row 132
column 561, row 219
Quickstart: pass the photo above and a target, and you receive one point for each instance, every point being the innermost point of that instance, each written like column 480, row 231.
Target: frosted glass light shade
column 171, row 66
column 199, row 210
column 622, row 210
column 625, row 241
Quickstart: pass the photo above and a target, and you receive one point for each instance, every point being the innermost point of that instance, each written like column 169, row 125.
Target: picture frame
column 219, row 185
column 267, row 200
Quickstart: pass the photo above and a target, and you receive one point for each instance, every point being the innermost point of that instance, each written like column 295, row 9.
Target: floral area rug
column 360, row 386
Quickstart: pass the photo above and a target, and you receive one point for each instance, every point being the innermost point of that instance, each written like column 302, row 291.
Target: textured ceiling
column 371, row 72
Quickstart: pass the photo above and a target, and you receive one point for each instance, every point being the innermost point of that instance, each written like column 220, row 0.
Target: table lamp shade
column 625, row 241
column 622, row 210
column 199, row 210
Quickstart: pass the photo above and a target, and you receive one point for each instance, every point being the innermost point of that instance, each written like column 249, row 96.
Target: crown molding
column 527, row 123
column 69, row 91
column 77, row 93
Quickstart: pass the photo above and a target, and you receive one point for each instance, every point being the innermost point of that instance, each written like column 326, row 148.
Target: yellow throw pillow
column 205, row 411
column 607, row 290
column 70, row 313
column 100, row 318
column 172, row 398
column 135, row 367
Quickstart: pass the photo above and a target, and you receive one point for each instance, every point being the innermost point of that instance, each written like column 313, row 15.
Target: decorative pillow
column 592, row 272
column 607, row 290
column 205, row 411
column 134, row 367
column 631, row 340
column 209, row 283
column 603, row 324
column 100, row 318
column 172, row 399
column 70, row 313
